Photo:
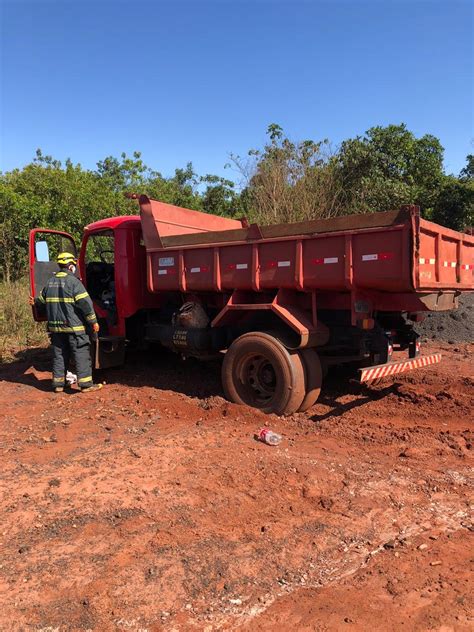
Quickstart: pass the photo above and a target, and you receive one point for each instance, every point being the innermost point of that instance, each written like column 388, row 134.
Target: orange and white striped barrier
column 394, row 368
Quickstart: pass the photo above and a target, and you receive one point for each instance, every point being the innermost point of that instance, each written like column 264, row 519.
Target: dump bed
column 397, row 252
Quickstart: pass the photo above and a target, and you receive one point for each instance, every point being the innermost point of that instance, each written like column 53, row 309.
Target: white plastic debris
column 71, row 378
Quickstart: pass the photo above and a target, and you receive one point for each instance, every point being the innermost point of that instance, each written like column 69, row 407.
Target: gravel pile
column 456, row 325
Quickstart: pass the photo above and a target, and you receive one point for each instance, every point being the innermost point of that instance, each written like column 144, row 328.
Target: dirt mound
column 454, row 326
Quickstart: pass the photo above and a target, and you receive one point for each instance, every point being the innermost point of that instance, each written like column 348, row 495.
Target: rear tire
column 313, row 378
column 260, row 372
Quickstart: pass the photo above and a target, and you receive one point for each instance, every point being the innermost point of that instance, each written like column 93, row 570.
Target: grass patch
column 17, row 327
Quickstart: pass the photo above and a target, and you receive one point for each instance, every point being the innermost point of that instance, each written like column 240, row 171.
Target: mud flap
column 107, row 352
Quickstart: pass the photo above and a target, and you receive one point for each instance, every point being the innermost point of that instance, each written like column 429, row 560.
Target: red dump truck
column 284, row 302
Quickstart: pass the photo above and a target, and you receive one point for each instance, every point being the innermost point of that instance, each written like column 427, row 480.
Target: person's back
column 67, row 304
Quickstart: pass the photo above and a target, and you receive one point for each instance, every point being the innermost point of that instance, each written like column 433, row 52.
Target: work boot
column 93, row 387
column 58, row 389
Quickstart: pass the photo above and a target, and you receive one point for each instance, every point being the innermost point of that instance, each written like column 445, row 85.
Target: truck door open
column 44, row 247
column 99, row 273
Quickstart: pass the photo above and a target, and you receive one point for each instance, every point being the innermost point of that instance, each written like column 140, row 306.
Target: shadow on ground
column 164, row 370
column 336, row 388
column 37, row 358
column 158, row 368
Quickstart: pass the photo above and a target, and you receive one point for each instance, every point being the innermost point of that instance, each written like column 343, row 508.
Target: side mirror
column 42, row 251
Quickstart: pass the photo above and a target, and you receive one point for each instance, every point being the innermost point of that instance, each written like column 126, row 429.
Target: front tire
column 260, row 372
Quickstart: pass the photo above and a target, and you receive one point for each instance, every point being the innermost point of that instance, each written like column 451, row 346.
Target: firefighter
column 70, row 315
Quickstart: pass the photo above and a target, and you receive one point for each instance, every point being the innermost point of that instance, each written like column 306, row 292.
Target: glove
column 31, row 300
column 95, row 328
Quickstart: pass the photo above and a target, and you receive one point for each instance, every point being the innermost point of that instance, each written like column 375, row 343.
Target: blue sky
column 184, row 81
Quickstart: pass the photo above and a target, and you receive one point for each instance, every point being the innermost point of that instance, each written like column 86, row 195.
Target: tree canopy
column 282, row 181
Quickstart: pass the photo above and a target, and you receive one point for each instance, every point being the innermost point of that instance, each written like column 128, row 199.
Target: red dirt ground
column 149, row 506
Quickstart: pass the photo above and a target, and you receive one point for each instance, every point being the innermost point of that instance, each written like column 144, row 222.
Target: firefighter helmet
column 65, row 258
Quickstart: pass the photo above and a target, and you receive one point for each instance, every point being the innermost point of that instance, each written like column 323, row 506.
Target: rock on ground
column 457, row 325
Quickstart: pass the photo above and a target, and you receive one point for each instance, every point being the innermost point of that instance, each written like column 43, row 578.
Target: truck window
column 49, row 245
column 100, row 269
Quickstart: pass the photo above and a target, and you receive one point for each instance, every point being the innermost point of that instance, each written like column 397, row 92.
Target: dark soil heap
column 457, row 325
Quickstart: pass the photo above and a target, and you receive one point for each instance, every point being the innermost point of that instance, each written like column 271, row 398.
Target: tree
column 284, row 181
column 67, row 197
column 467, row 173
column 388, row 167
column 288, row 181
column 455, row 203
column 180, row 189
column 46, row 193
column 127, row 174
column 220, row 197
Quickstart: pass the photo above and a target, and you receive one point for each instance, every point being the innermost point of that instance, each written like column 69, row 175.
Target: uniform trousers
column 76, row 346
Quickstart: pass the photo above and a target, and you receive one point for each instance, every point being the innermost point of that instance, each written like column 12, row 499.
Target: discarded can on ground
column 269, row 437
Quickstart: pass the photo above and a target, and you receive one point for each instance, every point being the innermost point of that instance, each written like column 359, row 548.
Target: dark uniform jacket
column 68, row 305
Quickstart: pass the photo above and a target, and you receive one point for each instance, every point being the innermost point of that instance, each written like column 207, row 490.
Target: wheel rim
column 258, row 377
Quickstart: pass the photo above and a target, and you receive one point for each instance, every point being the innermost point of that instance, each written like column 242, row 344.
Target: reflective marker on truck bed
column 237, row 266
column 392, row 368
column 278, row 264
column 325, row 260
column 161, row 272
column 200, row 269
column 378, row 256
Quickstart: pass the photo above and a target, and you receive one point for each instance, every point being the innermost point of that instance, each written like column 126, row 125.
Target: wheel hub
column 258, row 374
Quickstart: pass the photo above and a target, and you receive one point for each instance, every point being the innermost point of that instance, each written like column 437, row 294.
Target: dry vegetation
column 291, row 182
column 17, row 327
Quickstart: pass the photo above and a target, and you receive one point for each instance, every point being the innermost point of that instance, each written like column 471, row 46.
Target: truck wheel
column 313, row 378
column 259, row 371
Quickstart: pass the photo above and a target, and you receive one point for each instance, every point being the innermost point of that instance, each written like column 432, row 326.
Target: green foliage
column 127, row 174
column 67, row 197
column 388, row 167
column 220, row 197
column 283, row 181
column 384, row 169
column 455, row 204
column 467, row 173
column 47, row 194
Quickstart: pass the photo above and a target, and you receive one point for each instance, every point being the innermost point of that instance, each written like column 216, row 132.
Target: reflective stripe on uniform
column 91, row 316
column 65, row 329
column 82, row 295
column 59, row 299
column 61, row 274
column 85, row 379
column 41, row 298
